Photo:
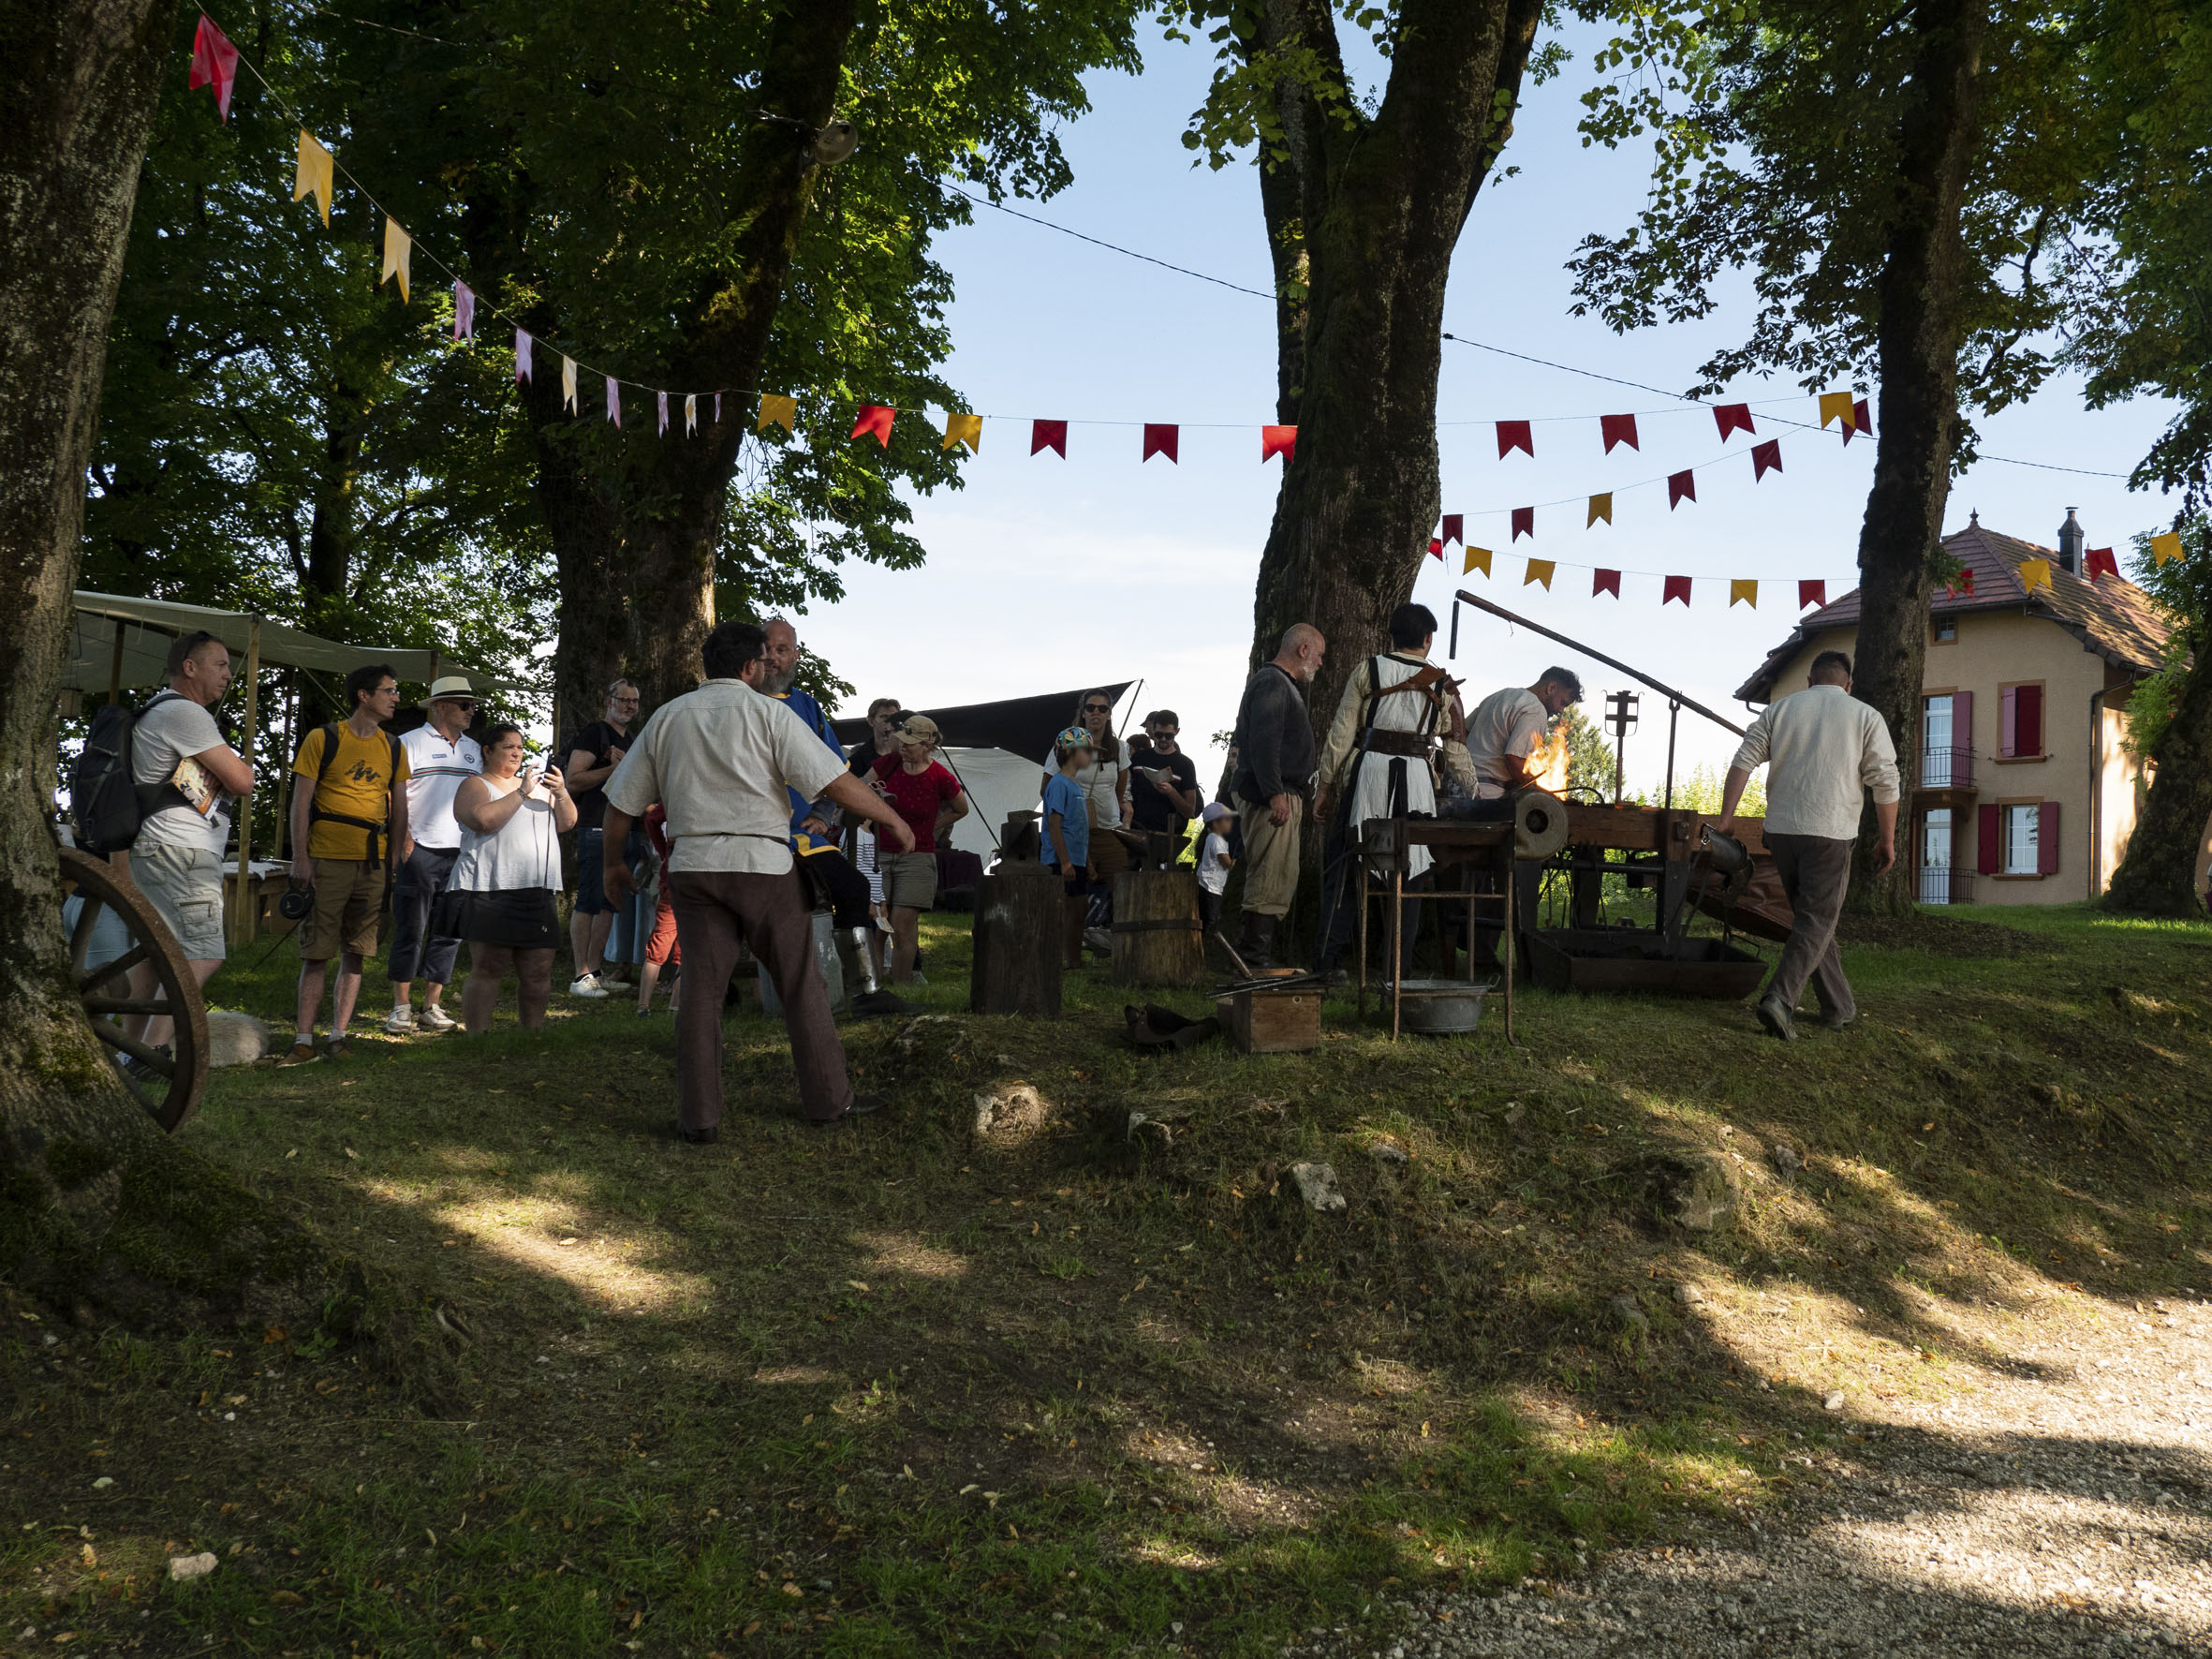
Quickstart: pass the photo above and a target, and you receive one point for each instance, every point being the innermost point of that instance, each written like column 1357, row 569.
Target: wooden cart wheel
column 170, row 1084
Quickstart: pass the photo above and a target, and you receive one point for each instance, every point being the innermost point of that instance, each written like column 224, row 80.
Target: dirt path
column 2057, row 1501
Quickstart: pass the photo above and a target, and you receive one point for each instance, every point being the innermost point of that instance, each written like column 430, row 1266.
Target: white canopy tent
column 998, row 783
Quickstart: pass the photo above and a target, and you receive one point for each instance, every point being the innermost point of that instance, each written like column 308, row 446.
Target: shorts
column 591, row 892
column 1076, row 886
column 910, row 881
column 348, row 905
column 185, row 885
column 662, row 949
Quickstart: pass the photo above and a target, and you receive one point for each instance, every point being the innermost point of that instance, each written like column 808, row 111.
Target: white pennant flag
column 692, row 414
column 661, row 399
column 613, row 400
column 568, row 382
column 463, row 312
column 521, row 356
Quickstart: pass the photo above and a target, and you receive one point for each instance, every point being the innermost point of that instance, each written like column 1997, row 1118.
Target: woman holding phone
column 501, row 896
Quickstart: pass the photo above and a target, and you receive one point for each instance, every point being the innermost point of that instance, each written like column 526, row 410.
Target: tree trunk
column 1379, row 208
column 2158, row 874
column 1918, row 342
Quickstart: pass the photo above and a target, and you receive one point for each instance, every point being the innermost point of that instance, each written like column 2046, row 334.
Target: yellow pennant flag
column 1539, row 569
column 1600, row 507
column 1745, row 591
column 777, row 411
column 1836, row 406
column 2165, row 547
column 568, row 383
column 1478, row 558
column 318, row 172
column 966, row 429
column 399, row 247
column 2035, row 574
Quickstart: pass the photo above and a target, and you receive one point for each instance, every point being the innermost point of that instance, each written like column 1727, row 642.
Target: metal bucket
column 1440, row 1007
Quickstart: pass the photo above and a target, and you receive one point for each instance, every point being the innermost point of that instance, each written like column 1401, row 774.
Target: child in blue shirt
column 1066, row 842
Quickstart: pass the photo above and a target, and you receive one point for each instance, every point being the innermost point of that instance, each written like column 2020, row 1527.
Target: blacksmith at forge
column 1273, row 746
column 1823, row 748
column 1379, row 762
column 1501, row 734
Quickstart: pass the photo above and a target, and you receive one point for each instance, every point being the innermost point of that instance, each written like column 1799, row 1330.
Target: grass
column 901, row 1390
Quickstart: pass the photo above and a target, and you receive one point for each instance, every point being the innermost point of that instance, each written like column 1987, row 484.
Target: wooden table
column 1449, row 841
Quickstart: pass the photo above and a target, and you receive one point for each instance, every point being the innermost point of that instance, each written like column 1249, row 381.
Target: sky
column 1045, row 574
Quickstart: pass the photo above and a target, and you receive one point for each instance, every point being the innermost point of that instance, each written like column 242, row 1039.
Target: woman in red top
column 929, row 799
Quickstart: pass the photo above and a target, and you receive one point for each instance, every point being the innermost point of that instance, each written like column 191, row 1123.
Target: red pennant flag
column 1455, row 528
column 1515, row 434
column 1681, row 486
column 1765, row 458
column 1278, row 440
column 1965, row 584
column 1677, row 588
column 1159, row 440
column 1811, row 593
column 1734, row 417
column 1617, row 429
column 875, row 419
column 1605, row 582
column 2098, row 562
column 1049, row 435
column 1860, row 422
column 1435, row 549
column 1523, row 523
column 215, row 63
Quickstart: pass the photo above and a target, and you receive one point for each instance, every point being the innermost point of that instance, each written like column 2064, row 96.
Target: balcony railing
column 1946, row 768
column 1945, row 885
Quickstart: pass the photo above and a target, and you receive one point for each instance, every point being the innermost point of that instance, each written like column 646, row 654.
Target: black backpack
column 106, row 799
column 377, row 828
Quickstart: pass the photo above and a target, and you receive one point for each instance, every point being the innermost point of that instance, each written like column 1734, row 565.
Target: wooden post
column 1017, row 941
column 283, row 766
column 247, row 912
column 1156, row 935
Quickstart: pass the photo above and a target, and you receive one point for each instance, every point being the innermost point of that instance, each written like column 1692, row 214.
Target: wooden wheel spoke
column 151, row 1059
column 168, row 1086
column 87, row 919
column 141, row 951
column 128, row 1004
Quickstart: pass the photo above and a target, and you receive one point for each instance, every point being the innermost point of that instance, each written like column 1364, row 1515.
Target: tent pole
column 284, row 767
column 248, row 911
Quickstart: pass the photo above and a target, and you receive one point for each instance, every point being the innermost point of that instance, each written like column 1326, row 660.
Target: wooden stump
column 1156, row 935
column 1018, row 941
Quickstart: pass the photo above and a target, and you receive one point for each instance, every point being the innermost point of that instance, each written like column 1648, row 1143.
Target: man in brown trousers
column 719, row 760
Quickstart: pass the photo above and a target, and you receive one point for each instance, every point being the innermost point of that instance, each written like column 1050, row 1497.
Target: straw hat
column 452, row 685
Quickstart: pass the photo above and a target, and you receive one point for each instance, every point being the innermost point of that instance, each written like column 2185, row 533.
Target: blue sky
column 1045, row 574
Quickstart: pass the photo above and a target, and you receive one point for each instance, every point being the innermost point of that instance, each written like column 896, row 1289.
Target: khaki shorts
column 348, row 905
column 185, row 885
column 910, row 881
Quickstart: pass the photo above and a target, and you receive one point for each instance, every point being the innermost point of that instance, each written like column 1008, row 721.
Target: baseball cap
column 919, row 729
column 1215, row 812
column 1075, row 737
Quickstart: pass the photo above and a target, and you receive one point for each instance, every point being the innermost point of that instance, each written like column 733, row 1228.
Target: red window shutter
column 1985, row 846
column 2008, row 705
column 1962, row 737
column 2027, row 722
column 2047, row 838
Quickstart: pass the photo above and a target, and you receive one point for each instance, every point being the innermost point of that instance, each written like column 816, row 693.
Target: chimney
column 2070, row 537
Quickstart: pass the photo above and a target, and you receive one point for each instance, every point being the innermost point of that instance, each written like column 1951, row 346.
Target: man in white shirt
column 721, row 761
column 440, row 755
column 1823, row 748
column 1507, row 725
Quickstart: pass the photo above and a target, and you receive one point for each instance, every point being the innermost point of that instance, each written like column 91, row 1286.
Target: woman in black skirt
column 502, row 892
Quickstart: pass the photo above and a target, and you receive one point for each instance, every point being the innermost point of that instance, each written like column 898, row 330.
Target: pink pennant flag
column 521, row 356
column 1681, row 486
column 463, row 312
column 1811, row 593
column 1524, row 524
column 1677, row 587
column 1734, row 417
column 1278, row 440
column 1515, row 434
column 1159, row 440
column 214, row 63
column 661, row 399
column 1765, row 458
column 874, row 419
column 1455, row 528
column 1049, row 435
column 1617, row 429
column 613, row 400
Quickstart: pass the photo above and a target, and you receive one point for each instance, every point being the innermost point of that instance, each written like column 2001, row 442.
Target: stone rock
column 1786, row 1161
column 1316, row 1186
column 929, row 1037
column 1389, row 1152
column 234, row 1039
column 1013, row 1113
column 1835, row 1401
column 1695, row 1191
column 192, row 1566
column 1689, row 1296
column 1515, row 1111
column 1630, row 1313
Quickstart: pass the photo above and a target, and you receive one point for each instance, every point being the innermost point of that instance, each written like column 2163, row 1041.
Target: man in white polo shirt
column 1823, row 748
column 441, row 754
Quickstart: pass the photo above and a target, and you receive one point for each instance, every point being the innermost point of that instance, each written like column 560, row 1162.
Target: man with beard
column 829, row 874
column 1274, row 778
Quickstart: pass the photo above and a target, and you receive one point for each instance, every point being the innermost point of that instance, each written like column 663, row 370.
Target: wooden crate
column 1273, row 1022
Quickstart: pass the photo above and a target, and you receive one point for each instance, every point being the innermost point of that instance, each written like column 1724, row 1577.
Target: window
column 2017, row 839
column 1935, row 858
column 1934, row 744
column 2020, row 722
column 1946, row 629
column 2023, row 834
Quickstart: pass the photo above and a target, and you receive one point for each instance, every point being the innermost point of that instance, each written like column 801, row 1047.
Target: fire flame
column 1547, row 762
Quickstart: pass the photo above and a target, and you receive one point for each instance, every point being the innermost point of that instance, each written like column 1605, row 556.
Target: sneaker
column 1098, row 940
column 616, row 981
column 644, row 1014
column 299, row 1054
column 587, row 985
column 339, row 1047
column 884, row 1000
column 918, row 978
column 401, row 1021
column 431, row 1017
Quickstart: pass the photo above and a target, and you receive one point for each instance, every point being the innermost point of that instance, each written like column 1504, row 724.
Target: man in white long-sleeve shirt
column 1823, row 748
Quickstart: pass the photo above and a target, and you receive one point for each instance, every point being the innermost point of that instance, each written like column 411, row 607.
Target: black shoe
column 1776, row 1018
column 698, row 1137
column 1844, row 1024
column 863, row 1105
column 884, row 1001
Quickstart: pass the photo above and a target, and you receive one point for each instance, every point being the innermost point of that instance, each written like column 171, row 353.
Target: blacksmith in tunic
column 1378, row 761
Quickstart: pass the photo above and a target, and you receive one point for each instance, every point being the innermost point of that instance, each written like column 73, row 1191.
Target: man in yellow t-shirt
column 349, row 819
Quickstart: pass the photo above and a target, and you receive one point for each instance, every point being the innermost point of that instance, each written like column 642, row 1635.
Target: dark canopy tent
column 1020, row 725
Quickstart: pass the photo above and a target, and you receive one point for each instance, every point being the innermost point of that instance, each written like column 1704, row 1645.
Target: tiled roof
column 2111, row 616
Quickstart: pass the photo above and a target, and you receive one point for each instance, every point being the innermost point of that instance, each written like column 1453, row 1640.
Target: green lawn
column 894, row 1389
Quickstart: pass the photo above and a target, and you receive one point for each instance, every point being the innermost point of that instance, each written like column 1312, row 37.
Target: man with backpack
column 349, row 820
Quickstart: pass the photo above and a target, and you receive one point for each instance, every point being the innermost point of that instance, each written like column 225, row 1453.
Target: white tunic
column 1392, row 786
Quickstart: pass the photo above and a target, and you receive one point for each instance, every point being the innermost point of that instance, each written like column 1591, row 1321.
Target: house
column 2025, row 790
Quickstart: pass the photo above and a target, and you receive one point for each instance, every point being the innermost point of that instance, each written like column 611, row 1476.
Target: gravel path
column 2059, row 1505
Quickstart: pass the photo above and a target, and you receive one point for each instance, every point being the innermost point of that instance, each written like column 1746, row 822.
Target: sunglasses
column 1098, row 708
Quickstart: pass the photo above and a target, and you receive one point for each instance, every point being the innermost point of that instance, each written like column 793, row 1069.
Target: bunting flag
column 214, row 63
column 1677, row 587
column 2035, row 574
column 1053, row 435
column 1813, row 593
column 1681, row 486
column 874, row 419
column 1539, row 569
column 719, row 408
column 1160, row 441
column 1734, row 417
column 1605, row 582
column 399, row 248
column 1962, row 585
column 775, row 411
column 1617, row 429
column 613, row 400
column 318, row 172
column 521, row 356
column 1745, row 591
column 1836, row 405
column 1455, row 528
column 568, row 382
column 1524, row 523
column 1478, row 558
column 464, row 311
column 1860, row 422
column 1765, row 458
column 1600, row 507
column 963, row 429
column 691, row 414
column 1278, row 440
column 2098, row 562
column 1515, row 434
column 660, row 401
column 2167, row 546
column 1435, row 548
